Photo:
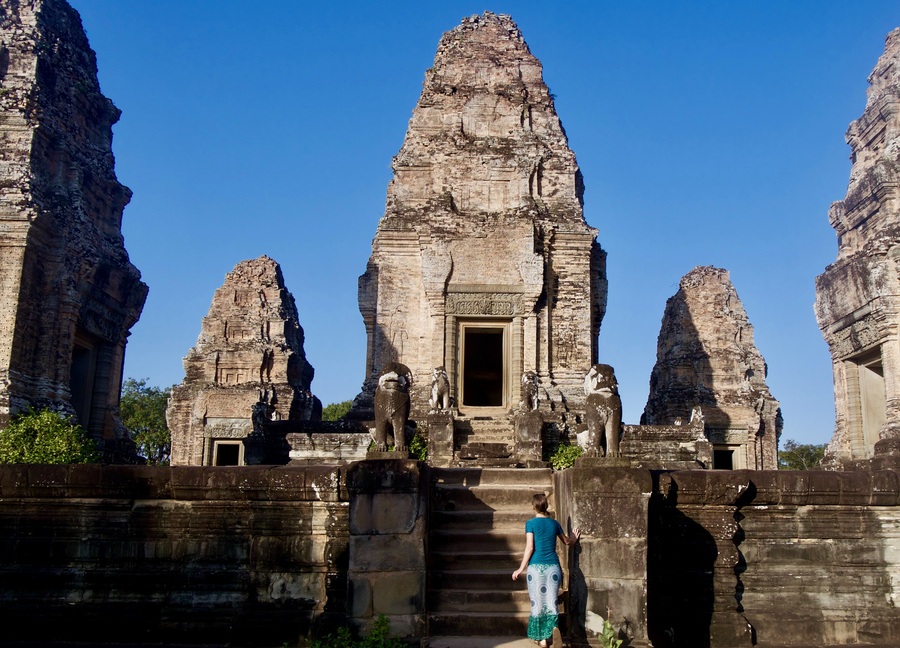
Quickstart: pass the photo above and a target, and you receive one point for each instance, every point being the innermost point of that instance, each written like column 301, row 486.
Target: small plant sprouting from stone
column 418, row 447
column 564, row 456
column 609, row 636
column 376, row 637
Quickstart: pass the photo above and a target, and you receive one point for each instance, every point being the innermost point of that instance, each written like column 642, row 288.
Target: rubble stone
column 68, row 292
column 706, row 357
column 858, row 296
column 483, row 242
column 250, row 350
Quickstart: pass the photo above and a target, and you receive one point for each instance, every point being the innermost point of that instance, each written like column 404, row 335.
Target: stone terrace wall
column 774, row 558
column 263, row 555
column 208, row 555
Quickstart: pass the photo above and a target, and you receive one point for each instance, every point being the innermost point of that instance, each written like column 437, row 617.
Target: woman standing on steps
column 544, row 574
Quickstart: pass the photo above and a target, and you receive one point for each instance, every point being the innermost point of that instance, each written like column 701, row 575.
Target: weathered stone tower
column 858, row 296
column 68, row 293
column 706, row 356
column 483, row 262
column 250, row 350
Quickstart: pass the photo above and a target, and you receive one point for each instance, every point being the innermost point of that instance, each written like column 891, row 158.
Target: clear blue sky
column 709, row 133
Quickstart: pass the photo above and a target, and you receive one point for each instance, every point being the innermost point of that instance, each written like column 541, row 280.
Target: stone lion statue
column 603, row 413
column 529, row 402
column 440, row 390
column 392, row 407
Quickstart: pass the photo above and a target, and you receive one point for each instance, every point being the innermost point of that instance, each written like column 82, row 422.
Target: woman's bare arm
column 572, row 538
column 529, row 549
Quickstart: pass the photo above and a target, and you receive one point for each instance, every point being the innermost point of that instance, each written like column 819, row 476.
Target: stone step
column 476, row 579
column 490, row 624
column 483, row 462
column 476, row 450
column 484, row 498
column 461, row 600
column 486, row 540
column 472, row 561
column 478, row 520
column 482, row 476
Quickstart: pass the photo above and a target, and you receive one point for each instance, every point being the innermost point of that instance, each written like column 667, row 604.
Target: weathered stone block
column 384, row 513
column 392, row 475
column 398, row 593
column 623, row 557
column 361, row 600
column 374, row 553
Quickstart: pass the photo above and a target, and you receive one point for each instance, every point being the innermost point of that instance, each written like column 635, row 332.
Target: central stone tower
column 483, row 263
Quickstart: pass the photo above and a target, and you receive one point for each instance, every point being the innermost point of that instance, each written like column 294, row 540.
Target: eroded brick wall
column 209, row 555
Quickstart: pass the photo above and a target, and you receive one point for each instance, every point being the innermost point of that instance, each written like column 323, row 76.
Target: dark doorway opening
column 81, row 382
column 723, row 459
column 228, row 454
column 483, row 367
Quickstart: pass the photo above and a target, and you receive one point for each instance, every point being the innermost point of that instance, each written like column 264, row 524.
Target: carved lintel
column 489, row 304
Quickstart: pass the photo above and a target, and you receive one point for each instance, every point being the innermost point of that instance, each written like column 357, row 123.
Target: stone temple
column 483, row 263
column 68, row 293
column 706, row 357
column 858, row 296
column 250, row 351
column 485, row 249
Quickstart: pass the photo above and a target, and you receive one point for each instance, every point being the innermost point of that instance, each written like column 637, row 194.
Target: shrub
column 564, row 455
column 418, row 447
column 45, row 437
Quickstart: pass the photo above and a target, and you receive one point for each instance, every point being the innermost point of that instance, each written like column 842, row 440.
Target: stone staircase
column 485, row 441
column 477, row 535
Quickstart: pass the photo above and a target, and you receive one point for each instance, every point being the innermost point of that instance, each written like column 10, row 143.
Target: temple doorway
column 484, row 365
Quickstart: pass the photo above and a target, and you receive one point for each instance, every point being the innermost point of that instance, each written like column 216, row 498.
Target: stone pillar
column 450, row 350
column 607, row 570
column 388, row 530
column 889, row 436
column 440, row 439
column 528, row 436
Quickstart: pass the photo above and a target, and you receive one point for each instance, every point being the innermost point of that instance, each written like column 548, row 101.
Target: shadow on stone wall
column 681, row 559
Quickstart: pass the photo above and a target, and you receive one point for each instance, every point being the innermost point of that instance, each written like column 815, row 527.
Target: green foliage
column 564, row 455
column 336, row 411
column 418, row 447
column 143, row 411
column 609, row 636
column 376, row 637
column 800, row 456
column 45, row 437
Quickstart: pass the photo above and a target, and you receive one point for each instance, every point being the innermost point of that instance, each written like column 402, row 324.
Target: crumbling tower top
column 485, row 136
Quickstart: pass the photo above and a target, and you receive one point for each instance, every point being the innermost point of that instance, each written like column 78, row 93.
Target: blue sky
column 708, row 133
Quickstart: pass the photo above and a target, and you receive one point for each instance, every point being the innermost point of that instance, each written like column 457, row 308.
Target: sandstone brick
column 483, row 214
column 250, row 351
column 68, row 293
column 858, row 296
column 706, row 357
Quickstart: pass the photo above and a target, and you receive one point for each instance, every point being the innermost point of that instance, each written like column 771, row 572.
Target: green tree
column 45, row 437
column 336, row 411
column 800, row 456
column 143, row 411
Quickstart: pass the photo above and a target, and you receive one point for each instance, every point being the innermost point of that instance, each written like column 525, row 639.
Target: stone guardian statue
column 392, row 407
column 603, row 413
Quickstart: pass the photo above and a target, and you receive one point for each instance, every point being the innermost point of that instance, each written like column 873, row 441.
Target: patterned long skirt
column 543, row 588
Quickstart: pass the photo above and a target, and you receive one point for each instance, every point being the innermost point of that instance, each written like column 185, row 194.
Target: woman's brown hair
column 539, row 502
